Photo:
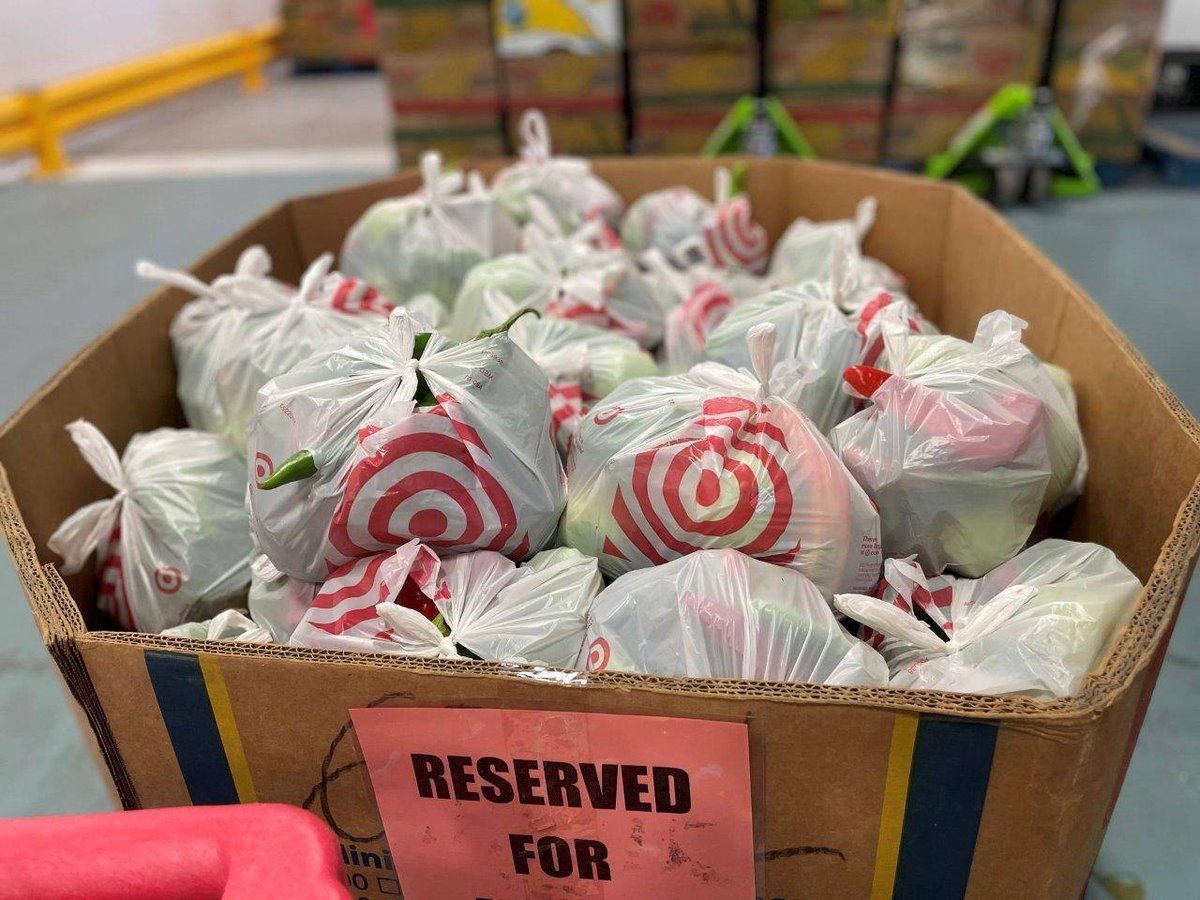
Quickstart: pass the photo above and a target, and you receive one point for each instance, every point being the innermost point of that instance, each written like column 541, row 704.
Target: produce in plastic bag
column 710, row 458
column 475, row 606
column 1034, row 626
column 204, row 329
column 958, row 456
column 697, row 299
column 278, row 602
column 565, row 184
column 998, row 351
column 567, row 280
column 805, row 250
column 401, row 435
column 543, row 227
column 686, row 228
column 230, row 625
column 816, row 342
column 582, row 363
column 426, row 242
column 721, row 614
column 172, row 544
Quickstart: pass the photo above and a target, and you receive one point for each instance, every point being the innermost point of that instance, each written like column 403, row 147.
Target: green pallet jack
column 758, row 126
column 1017, row 146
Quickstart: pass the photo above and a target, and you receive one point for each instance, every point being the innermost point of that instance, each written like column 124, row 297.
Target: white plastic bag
column 205, row 328
column 956, row 456
column 400, row 437
column 721, row 614
column 172, row 544
column 568, row 280
column 566, row 184
column 231, row 625
column 666, row 466
column 277, row 602
column 475, row 605
column 426, row 242
column 688, row 229
column 998, row 352
column 583, row 363
column 805, row 250
column 697, row 300
column 1035, row 625
column 816, row 342
column 247, row 328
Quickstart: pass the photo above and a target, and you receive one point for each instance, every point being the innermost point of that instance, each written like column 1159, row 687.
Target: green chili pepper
column 507, row 323
column 296, row 467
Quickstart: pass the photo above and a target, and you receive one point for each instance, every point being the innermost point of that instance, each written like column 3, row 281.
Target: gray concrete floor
column 67, row 255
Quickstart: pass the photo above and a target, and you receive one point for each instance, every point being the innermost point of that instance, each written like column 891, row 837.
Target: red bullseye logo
column 599, row 653
column 264, row 467
column 167, row 579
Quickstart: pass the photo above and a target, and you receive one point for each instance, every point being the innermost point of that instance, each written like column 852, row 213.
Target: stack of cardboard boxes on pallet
column 565, row 61
column 1107, row 100
column 689, row 60
column 954, row 54
column 829, row 61
column 328, row 34
column 442, row 77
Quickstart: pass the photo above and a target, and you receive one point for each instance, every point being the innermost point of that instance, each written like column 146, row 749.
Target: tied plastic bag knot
column 722, row 185
column 312, row 281
column 402, row 335
column 416, row 634
column 88, row 530
column 760, row 341
column 535, row 136
column 864, row 216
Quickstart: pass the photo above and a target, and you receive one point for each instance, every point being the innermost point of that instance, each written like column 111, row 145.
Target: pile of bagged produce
column 527, row 424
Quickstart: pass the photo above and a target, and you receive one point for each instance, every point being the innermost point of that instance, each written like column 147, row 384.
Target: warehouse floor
column 68, row 255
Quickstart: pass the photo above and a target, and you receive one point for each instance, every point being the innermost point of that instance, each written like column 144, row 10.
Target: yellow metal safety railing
column 37, row 120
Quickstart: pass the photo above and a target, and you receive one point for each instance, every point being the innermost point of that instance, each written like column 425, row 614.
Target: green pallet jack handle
column 727, row 137
column 980, row 129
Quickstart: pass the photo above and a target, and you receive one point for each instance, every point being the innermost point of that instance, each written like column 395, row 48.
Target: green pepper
column 302, row 464
column 439, row 622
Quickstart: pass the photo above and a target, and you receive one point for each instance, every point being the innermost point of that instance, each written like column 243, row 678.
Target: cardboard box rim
column 61, row 621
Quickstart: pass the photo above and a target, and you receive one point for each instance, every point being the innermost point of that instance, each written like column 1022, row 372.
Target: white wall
column 41, row 40
column 1181, row 25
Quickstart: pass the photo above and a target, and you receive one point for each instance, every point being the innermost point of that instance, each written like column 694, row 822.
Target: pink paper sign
column 515, row 804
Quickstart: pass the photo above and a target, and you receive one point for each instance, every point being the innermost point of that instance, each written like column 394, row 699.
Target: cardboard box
column 592, row 128
column 1132, row 70
column 858, row 792
column 329, row 32
column 1113, row 130
column 424, row 25
column 920, row 123
column 676, row 129
column 883, row 12
column 921, row 15
column 717, row 76
column 534, row 27
column 561, row 75
column 441, row 81
column 806, row 57
column 840, row 125
column 970, row 59
column 1083, row 20
column 690, row 24
column 456, row 135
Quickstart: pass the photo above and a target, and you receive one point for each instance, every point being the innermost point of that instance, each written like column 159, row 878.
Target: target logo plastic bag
column 667, row 466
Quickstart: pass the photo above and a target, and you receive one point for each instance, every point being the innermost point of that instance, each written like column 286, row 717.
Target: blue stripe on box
column 183, row 701
column 952, row 760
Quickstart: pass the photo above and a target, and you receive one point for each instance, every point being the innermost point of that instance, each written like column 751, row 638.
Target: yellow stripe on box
column 895, row 796
column 231, row 740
